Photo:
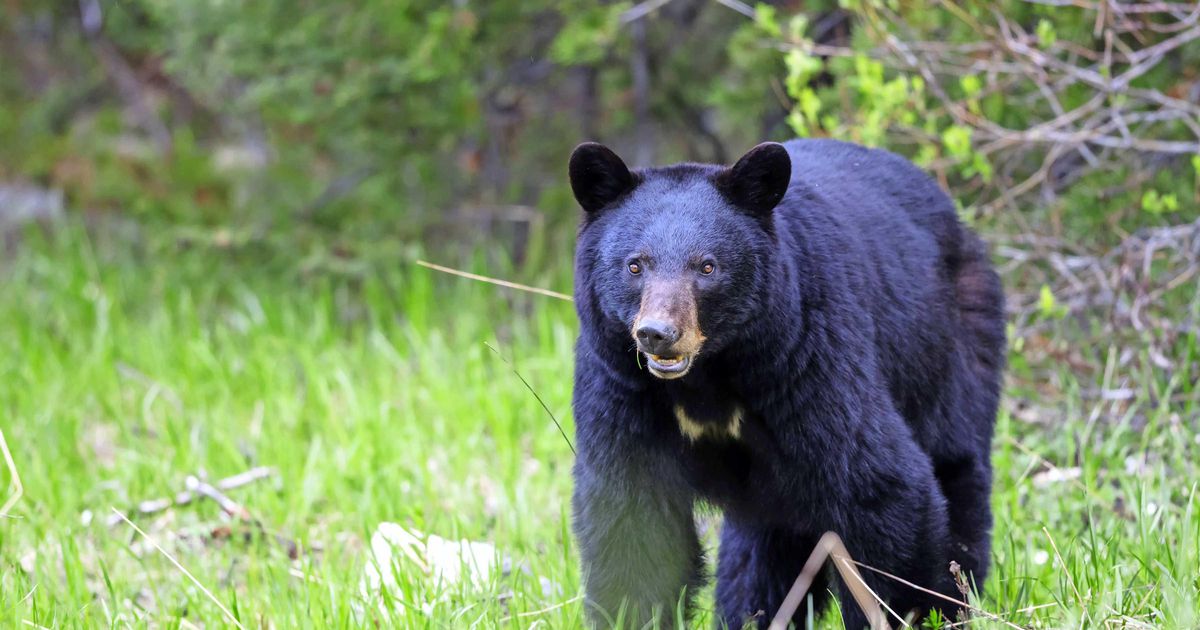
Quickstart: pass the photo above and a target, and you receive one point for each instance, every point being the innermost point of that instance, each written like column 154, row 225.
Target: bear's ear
column 758, row 181
column 598, row 176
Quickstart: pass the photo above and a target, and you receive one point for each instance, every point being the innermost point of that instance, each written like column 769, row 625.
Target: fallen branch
column 230, row 506
column 197, row 488
column 830, row 546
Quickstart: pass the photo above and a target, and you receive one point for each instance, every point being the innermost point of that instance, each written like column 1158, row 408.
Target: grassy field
column 125, row 369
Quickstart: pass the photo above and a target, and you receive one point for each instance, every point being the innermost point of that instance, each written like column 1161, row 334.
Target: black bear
column 810, row 341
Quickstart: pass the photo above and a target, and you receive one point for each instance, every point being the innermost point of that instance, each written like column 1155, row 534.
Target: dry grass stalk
column 232, row 619
column 18, row 489
column 497, row 281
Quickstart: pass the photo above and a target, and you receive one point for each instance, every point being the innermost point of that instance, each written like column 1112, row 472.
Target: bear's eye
column 635, row 268
column 708, row 267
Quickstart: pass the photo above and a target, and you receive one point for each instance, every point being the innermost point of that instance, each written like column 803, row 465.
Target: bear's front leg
column 757, row 566
column 633, row 519
column 637, row 540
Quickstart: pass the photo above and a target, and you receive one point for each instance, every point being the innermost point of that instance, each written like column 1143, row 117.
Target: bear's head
column 677, row 257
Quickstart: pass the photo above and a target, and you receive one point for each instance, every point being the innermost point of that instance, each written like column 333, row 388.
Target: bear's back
column 871, row 184
column 885, row 225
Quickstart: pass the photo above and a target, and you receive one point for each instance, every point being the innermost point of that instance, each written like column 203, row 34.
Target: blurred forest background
column 335, row 129
column 210, row 212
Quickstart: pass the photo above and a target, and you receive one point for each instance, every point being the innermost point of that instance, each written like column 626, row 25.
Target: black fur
column 759, row 180
column 598, row 176
column 858, row 328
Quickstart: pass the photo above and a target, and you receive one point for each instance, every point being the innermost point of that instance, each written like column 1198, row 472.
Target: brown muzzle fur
column 672, row 301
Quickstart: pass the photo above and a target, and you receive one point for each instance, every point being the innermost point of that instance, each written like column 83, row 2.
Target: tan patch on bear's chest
column 694, row 430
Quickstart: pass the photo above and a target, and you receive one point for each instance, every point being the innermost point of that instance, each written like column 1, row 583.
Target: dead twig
column 640, row 10
column 975, row 609
column 230, row 506
column 1120, row 128
column 196, row 487
column 1126, row 287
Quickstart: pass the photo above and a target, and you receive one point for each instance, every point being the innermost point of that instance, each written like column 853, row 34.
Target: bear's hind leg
column 967, row 484
column 756, row 568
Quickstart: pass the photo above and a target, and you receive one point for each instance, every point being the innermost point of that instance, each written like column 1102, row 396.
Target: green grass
column 124, row 369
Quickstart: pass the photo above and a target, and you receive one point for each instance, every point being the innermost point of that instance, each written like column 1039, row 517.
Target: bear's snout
column 667, row 330
column 657, row 337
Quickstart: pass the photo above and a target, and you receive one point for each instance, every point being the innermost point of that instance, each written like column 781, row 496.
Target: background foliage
column 210, row 210
column 262, row 117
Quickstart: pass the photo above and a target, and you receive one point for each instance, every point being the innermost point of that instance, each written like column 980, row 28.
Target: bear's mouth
column 668, row 367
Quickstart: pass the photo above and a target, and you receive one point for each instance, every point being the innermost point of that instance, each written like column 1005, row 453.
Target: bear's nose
column 657, row 337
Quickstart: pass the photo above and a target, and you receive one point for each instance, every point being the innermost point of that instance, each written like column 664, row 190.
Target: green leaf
column 957, row 140
column 587, row 37
column 1048, row 306
column 971, row 85
column 982, row 166
column 1151, row 202
column 1045, row 33
column 809, row 104
column 801, row 67
column 796, row 27
column 767, row 19
column 796, row 121
column 925, row 155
